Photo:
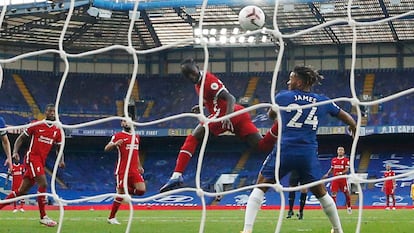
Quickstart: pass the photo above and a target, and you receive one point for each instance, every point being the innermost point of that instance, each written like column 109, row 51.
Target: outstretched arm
column 347, row 119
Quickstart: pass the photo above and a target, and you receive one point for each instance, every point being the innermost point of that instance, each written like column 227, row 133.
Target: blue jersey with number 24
column 299, row 125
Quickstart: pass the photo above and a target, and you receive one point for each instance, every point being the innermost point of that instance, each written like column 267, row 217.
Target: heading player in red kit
column 43, row 136
column 389, row 187
column 122, row 141
column 219, row 102
column 16, row 173
column 340, row 166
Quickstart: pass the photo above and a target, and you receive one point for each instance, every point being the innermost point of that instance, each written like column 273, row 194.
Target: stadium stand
column 82, row 101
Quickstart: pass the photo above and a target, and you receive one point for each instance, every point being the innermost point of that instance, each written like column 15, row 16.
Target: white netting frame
column 354, row 100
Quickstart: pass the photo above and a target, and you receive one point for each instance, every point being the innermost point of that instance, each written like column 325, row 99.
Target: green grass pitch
column 225, row 221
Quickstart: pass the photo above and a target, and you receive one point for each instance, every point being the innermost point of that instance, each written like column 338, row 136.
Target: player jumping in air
column 340, row 166
column 389, row 187
column 122, row 141
column 219, row 102
column 298, row 147
column 42, row 137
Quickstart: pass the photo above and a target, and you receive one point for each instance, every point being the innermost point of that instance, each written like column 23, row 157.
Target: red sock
column 348, row 200
column 41, row 201
column 334, row 198
column 269, row 140
column 186, row 152
column 115, row 206
column 10, row 196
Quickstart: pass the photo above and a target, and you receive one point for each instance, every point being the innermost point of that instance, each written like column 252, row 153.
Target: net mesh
column 279, row 37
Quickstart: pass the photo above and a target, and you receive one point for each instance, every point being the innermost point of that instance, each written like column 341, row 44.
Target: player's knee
column 139, row 192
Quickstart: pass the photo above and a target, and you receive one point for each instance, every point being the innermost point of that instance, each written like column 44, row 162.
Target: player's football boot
column 300, row 215
column 349, row 210
column 290, row 214
column 172, row 184
column 47, row 221
column 15, row 211
column 113, row 221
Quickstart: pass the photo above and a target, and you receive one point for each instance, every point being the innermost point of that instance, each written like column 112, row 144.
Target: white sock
column 253, row 205
column 329, row 207
column 175, row 175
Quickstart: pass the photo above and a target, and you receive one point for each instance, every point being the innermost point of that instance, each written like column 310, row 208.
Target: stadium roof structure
column 101, row 23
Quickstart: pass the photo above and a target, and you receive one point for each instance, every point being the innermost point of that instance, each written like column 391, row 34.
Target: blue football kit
column 299, row 146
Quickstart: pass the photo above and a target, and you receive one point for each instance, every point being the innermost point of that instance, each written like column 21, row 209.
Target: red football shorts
column 389, row 189
column 133, row 178
column 34, row 168
column 16, row 183
column 339, row 185
column 242, row 125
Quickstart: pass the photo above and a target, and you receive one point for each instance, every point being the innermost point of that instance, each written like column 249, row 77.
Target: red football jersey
column 212, row 87
column 17, row 174
column 389, row 183
column 339, row 165
column 43, row 137
column 123, row 152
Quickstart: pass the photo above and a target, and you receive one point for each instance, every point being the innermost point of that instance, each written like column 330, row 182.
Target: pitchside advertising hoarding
column 238, row 199
column 156, row 132
column 371, row 197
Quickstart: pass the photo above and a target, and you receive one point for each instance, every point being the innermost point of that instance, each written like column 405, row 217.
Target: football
column 251, row 18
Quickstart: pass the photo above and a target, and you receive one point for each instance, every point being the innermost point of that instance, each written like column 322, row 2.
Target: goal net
column 279, row 43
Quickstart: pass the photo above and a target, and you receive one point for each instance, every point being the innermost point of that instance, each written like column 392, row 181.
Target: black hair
column 308, row 75
column 189, row 66
column 130, row 114
column 188, row 61
column 49, row 106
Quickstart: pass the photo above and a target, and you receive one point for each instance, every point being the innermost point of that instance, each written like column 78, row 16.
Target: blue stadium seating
column 96, row 95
